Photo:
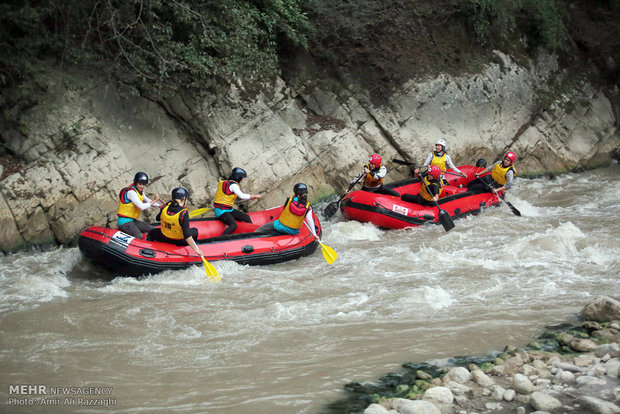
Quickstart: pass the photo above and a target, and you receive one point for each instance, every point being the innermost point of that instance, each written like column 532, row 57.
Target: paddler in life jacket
column 373, row 174
column 296, row 210
column 132, row 201
column 440, row 158
column 174, row 219
column 225, row 195
column 501, row 178
column 434, row 183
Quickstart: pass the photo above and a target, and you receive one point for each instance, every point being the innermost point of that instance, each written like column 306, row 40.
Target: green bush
column 540, row 20
column 161, row 42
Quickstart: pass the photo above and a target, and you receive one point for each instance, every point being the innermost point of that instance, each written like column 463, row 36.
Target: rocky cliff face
column 85, row 139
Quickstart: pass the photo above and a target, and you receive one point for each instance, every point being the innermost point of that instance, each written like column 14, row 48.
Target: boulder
column 544, row 402
column 601, row 309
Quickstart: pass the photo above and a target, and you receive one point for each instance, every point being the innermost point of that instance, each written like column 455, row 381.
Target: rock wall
column 85, row 139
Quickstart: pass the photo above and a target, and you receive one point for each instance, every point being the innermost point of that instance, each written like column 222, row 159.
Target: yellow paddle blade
column 328, row 253
column 198, row 212
column 211, row 271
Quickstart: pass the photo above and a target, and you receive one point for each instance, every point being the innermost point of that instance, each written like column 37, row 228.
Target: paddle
column 512, row 208
column 444, row 217
column 198, row 212
column 333, row 206
column 328, row 253
column 211, row 271
column 401, row 162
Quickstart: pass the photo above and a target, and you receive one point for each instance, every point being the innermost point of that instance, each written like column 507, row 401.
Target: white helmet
column 442, row 143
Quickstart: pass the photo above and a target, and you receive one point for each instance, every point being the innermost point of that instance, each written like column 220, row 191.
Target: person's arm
column 187, row 234
column 486, row 170
column 310, row 222
column 381, row 173
column 509, row 179
column 428, row 160
column 435, row 191
column 191, row 243
column 451, row 165
column 234, row 187
column 133, row 197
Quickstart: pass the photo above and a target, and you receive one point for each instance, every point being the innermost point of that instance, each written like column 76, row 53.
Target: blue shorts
column 218, row 211
column 284, row 229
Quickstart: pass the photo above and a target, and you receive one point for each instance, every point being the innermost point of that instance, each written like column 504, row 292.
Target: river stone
column 458, row 389
column 509, row 395
column 598, row 406
column 522, row 384
column 458, row 374
column 376, row 409
column 497, row 392
column 564, row 377
column 612, row 367
column 544, row 402
column 590, row 380
column 565, row 366
column 419, row 407
column 423, row 375
column 481, row 378
column 601, row 309
column 612, row 349
column 582, row 345
column 439, row 395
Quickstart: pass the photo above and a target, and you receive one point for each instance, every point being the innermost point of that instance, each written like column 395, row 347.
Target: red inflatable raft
column 393, row 213
column 128, row 256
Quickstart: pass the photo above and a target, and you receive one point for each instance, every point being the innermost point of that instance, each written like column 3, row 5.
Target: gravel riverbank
column 570, row 370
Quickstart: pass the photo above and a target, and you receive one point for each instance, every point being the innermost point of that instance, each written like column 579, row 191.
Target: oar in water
column 211, row 271
column 333, row 206
column 328, row 253
column 444, row 216
column 510, row 206
column 198, row 212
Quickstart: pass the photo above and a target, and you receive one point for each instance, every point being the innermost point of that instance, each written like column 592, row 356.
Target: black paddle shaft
column 444, row 217
column 332, row 207
column 510, row 206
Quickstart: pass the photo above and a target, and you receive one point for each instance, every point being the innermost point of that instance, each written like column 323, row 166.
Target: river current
column 286, row 338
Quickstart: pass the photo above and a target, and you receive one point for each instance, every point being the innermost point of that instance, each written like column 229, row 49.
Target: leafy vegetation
column 175, row 43
column 541, row 20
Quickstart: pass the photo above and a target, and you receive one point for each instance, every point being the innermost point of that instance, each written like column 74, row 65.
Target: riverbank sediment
column 570, row 369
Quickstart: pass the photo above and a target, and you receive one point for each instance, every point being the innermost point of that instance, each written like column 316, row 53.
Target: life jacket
column 370, row 181
column 125, row 207
column 293, row 213
column 171, row 224
column 498, row 173
column 224, row 198
column 439, row 161
column 424, row 193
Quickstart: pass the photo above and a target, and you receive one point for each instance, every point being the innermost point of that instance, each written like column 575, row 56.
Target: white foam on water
column 554, row 244
column 345, row 231
column 28, row 279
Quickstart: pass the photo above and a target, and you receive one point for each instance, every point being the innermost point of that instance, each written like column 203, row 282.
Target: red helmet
column 375, row 159
column 511, row 156
column 435, row 171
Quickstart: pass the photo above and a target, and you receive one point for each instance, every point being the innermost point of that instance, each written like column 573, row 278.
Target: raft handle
column 147, row 253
